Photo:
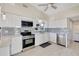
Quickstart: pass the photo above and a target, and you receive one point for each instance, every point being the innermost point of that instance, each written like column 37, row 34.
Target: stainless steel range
column 28, row 39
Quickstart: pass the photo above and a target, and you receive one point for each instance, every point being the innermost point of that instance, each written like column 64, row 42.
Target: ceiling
column 51, row 11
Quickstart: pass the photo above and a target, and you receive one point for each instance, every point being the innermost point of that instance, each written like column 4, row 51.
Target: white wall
column 76, row 30
column 66, row 13
column 76, row 27
column 60, row 23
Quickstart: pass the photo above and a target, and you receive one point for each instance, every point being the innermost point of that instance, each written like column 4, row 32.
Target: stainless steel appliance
column 28, row 39
column 61, row 39
column 26, row 23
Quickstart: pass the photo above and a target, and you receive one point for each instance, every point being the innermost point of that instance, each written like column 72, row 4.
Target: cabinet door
column 53, row 37
column 38, row 39
column 45, row 37
column 4, row 51
column 11, row 21
column 16, row 45
column 5, row 22
column 16, row 21
column 0, row 21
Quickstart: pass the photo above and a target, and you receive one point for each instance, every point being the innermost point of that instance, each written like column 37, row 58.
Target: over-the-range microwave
column 26, row 23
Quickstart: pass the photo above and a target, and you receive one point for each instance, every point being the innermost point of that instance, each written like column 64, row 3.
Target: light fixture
column 40, row 21
column 4, row 16
column 42, row 24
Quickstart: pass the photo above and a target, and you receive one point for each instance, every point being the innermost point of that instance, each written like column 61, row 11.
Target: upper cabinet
column 0, row 20
column 11, row 20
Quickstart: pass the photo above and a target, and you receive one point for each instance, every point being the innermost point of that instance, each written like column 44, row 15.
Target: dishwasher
column 61, row 39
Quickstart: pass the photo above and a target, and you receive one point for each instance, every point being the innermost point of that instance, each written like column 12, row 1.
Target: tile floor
column 53, row 50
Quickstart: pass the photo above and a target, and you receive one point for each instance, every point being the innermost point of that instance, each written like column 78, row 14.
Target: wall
column 76, row 27
column 76, row 30
column 60, row 23
column 66, row 13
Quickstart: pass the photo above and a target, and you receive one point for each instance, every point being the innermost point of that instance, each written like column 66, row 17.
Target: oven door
column 28, row 42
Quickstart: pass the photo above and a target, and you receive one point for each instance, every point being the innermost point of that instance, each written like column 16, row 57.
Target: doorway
column 75, row 30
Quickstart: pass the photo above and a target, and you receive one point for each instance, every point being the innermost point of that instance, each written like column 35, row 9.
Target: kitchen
column 23, row 27
column 12, row 25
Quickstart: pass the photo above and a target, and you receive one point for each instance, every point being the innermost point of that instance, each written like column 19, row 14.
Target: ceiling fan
column 24, row 5
column 48, row 5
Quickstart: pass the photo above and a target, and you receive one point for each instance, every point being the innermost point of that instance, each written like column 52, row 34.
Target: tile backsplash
column 57, row 30
column 8, row 31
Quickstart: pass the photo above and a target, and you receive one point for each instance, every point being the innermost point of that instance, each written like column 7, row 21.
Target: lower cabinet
column 53, row 37
column 38, row 39
column 4, row 51
column 45, row 37
column 41, row 38
column 16, row 45
column 10, row 21
column 4, row 46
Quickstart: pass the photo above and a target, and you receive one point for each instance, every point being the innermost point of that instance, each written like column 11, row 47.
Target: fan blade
column 25, row 6
column 43, row 5
column 54, row 7
column 52, row 3
column 46, row 8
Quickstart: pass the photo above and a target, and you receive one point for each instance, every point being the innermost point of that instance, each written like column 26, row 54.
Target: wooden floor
column 53, row 50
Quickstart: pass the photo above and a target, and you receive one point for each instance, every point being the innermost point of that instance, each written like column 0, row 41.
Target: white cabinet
column 5, row 51
column 0, row 20
column 5, row 46
column 41, row 38
column 38, row 39
column 11, row 21
column 45, row 37
column 53, row 37
column 16, row 45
